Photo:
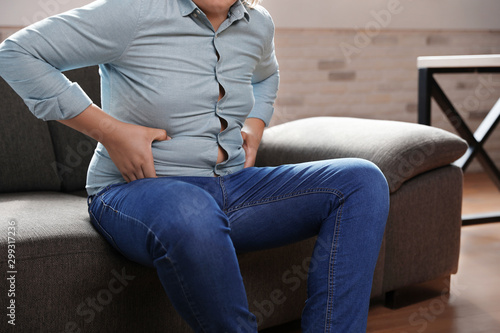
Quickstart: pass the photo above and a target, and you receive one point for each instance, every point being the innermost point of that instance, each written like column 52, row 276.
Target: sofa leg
column 402, row 297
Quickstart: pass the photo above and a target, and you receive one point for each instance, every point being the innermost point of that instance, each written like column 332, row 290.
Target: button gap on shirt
column 223, row 122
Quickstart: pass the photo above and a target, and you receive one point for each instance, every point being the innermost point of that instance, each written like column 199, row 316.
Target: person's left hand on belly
column 252, row 134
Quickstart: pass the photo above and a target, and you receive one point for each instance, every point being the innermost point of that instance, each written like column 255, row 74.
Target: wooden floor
column 473, row 305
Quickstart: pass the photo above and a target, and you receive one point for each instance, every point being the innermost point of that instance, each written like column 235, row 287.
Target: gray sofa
column 68, row 279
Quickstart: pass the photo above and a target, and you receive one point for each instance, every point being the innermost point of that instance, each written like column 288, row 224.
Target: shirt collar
column 238, row 10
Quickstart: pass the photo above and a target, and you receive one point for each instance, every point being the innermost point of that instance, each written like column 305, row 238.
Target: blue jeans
column 190, row 229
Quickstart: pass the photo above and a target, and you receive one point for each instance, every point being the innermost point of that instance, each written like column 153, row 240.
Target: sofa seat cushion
column 49, row 223
column 401, row 150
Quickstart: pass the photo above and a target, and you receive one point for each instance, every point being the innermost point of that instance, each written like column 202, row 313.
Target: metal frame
column 429, row 88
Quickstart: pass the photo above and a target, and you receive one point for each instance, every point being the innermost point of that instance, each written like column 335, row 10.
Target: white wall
column 390, row 14
column 341, row 14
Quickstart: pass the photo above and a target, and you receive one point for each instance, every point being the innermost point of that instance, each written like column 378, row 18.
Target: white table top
column 459, row 61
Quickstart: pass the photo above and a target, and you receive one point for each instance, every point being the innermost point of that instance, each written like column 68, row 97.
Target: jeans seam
column 224, row 194
column 284, row 196
column 105, row 205
column 331, row 275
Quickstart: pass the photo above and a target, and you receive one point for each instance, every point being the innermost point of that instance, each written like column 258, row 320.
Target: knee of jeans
column 373, row 174
column 370, row 178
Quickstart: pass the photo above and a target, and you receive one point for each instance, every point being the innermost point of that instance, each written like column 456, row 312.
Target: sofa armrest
column 401, row 150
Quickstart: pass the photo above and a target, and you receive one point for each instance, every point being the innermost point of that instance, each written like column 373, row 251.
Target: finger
column 148, row 166
column 249, row 159
column 135, row 173
column 138, row 173
column 127, row 179
column 148, row 169
column 160, row 135
column 130, row 177
column 127, row 173
column 245, row 143
column 249, row 163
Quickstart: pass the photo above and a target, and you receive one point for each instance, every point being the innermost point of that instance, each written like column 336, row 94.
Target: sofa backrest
column 37, row 155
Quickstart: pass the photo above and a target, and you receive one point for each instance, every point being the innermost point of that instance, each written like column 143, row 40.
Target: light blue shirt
column 161, row 64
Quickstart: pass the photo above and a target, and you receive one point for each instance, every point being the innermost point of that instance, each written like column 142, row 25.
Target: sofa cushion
column 401, row 150
column 73, row 150
column 27, row 159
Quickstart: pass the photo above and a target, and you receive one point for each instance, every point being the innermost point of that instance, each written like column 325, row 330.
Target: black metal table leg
column 429, row 88
column 476, row 148
column 424, row 96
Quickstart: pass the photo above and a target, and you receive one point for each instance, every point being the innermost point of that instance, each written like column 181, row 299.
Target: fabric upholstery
column 423, row 229
column 26, row 156
column 401, row 150
column 73, row 150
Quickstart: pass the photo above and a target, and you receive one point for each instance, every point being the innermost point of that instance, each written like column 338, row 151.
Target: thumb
column 244, row 135
column 160, row 135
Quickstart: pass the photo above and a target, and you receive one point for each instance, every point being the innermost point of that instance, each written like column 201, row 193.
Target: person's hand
column 129, row 147
column 250, row 145
column 252, row 134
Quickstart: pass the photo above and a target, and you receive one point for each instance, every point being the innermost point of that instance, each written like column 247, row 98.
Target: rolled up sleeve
column 33, row 59
column 265, row 82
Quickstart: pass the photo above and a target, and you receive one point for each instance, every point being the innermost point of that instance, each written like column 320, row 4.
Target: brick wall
column 346, row 73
